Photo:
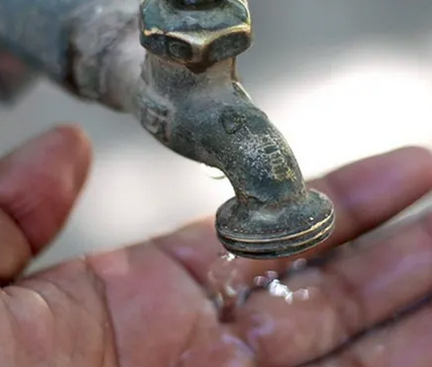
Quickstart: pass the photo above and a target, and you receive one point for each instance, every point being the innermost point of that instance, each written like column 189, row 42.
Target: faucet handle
column 195, row 32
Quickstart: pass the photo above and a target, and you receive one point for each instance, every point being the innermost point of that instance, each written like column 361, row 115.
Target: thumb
column 39, row 183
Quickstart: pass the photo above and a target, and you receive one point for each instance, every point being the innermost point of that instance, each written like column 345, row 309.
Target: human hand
column 148, row 305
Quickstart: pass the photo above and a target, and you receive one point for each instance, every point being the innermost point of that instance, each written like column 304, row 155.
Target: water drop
column 302, row 294
column 228, row 286
column 299, row 265
column 277, row 289
column 213, row 172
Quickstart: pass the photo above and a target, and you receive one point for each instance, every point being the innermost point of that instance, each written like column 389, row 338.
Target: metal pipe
column 70, row 40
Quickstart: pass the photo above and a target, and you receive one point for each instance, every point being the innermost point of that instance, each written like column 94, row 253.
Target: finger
column 374, row 190
column 406, row 343
column 325, row 307
column 365, row 194
column 39, row 183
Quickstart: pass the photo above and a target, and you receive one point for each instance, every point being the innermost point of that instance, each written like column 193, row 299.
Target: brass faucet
column 187, row 95
column 192, row 101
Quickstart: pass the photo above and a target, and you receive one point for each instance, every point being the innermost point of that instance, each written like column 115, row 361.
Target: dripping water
column 233, row 279
column 213, row 172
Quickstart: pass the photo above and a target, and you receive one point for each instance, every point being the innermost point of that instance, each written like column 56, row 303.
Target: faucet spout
column 191, row 101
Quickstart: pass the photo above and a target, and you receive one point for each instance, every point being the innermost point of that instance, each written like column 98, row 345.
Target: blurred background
column 343, row 79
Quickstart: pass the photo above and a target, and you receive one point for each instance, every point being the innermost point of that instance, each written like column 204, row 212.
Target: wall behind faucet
column 343, row 79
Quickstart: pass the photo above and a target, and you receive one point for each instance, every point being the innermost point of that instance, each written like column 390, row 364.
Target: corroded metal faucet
column 192, row 102
column 187, row 95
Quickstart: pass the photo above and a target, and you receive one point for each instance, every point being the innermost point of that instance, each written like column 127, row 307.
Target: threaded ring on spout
column 196, row 4
column 282, row 231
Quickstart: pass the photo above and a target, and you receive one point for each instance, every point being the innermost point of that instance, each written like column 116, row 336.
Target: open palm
column 148, row 305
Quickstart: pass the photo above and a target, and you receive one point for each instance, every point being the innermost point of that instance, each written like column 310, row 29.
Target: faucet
column 182, row 86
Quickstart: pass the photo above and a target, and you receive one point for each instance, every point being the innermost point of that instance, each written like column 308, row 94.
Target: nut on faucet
column 191, row 101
